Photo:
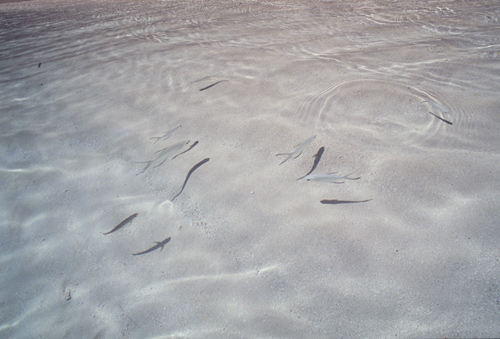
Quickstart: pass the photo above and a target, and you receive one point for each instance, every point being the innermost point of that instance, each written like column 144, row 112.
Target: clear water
column 86, row 86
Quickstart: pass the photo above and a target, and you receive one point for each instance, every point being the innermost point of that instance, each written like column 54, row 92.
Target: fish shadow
column 339, row 202
column 159, row 245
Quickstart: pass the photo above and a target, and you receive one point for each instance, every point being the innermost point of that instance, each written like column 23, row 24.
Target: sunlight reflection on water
column 404, row 94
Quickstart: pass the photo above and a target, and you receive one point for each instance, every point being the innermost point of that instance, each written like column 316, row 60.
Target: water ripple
column 387, row 111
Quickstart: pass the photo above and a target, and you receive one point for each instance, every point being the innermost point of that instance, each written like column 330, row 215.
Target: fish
column 443, row 120
column 168, row 151
column 189, row 174
column 159, row 244
column 438, row 106
column 164, row 152
column 204, row 88
column 336, row 202
column 298, row 149
column 190, row 148
column 205, row 78
column 329, row 178
column 317, row 158
column 123, row 223
column 167, row 134
column 39, row 64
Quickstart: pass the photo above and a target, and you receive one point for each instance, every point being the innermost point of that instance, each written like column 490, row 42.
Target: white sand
column 253, row 252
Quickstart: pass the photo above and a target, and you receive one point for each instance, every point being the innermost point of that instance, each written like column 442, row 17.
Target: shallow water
column 87, row 86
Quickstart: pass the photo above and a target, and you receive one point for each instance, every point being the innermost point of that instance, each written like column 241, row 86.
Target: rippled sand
column 411, row 249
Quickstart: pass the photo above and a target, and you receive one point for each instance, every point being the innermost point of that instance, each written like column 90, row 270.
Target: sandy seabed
column 99, row 98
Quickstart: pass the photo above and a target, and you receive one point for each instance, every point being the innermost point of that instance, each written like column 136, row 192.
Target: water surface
column 86, row 87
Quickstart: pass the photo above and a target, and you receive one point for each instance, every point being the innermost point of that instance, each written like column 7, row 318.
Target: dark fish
column 337, row 202
column 190, row 148
column 317, row 158
column 443, row 120
column 189, row 174
column 39, row 64
column 204, row 88
column 123, row 223
column 155, row 247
